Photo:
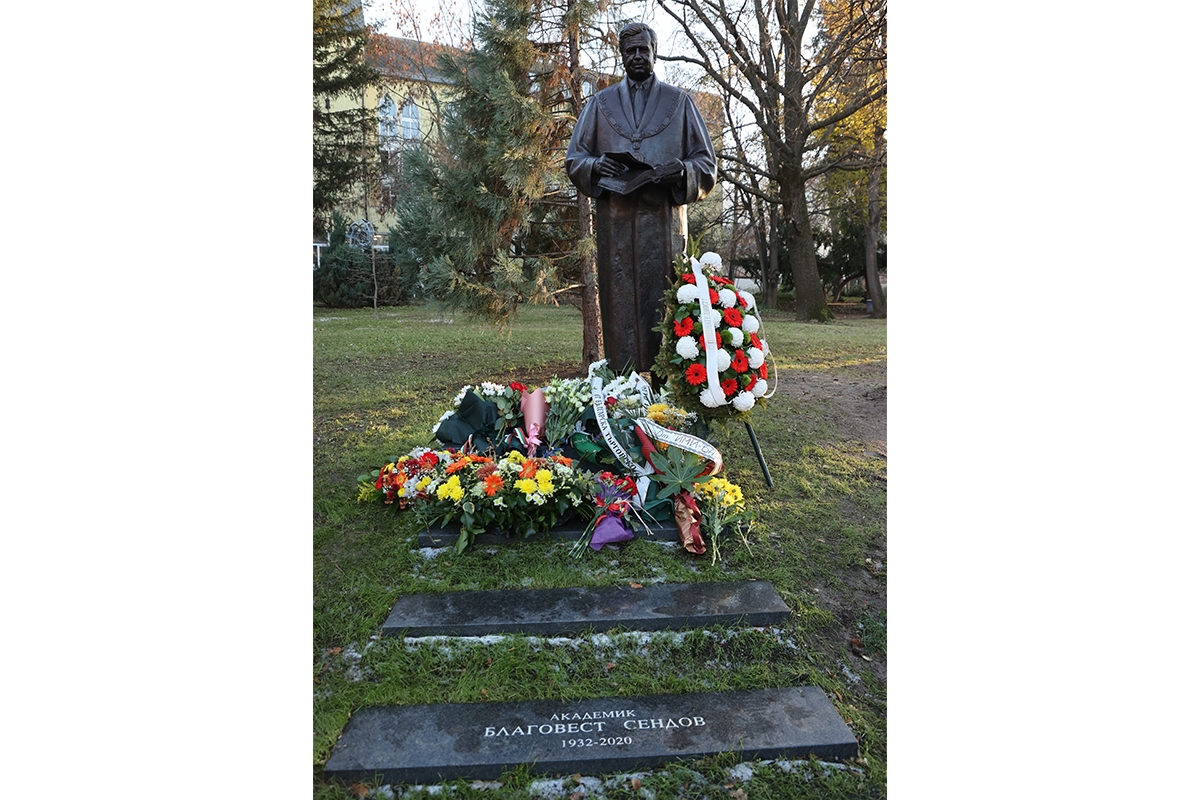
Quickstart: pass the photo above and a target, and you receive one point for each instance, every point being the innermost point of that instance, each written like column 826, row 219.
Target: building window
column 388, row 130
column 410, row 121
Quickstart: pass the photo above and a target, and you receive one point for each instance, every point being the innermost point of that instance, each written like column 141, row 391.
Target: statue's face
column 638, row 57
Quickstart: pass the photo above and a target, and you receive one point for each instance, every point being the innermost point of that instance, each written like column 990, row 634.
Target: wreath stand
column 762, row 462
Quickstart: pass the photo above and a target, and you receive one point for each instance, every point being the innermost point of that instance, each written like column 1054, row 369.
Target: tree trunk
column 797, row 230
column 589, row 301
column 771, row 281
column 874, row 289
column 593, row 336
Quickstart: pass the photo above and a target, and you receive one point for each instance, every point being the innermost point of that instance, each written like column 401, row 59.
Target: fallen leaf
column 483, row 692
column 635, row 585
column 358, row 789
column 636, row 783
column 577, row 778
column 610, row 665
column 577, row 796
column 738, row 793
column 333, row 651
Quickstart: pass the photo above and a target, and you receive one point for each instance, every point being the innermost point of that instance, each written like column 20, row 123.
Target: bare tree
column 778, row 67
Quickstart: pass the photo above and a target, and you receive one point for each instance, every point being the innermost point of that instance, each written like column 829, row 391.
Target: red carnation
column 684, row 326
column 740, row 362
column 729, row 386
column 696, row 374
column 689, row 278
column 733, row 317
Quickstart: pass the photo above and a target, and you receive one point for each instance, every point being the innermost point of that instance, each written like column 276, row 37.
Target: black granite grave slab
column 573, row 529
column 557, row 612
column 430, row 744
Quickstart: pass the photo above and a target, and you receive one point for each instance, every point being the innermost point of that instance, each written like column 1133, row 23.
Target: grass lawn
column 820, row 538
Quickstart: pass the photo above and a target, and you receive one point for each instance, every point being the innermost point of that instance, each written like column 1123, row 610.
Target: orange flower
column 492, row 484
column 456, row 466
column 529, row 469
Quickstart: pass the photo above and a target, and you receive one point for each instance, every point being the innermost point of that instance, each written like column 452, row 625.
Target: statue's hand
column 606, row 167
column 675, row 166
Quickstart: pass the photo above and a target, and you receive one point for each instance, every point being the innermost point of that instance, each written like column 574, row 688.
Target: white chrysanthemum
column 766, row 348
column 738, row 338
column 687, row 347
column 756, row 357
column 749, row 298
column 717, row 318
column 595, row 365
column 727, row 298
column 750, row 324
column 706, row 397
column 743, row 401
column 710, row 259
column 760, row 388
column 723, row 359
column 688, row 293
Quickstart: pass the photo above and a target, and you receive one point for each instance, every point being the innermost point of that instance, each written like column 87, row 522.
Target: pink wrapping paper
column 534, row 408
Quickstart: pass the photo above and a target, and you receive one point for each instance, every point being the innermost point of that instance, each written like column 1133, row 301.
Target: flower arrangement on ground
column 606, row 447
column 516, row 493
column 713, row 356
column 722, row 507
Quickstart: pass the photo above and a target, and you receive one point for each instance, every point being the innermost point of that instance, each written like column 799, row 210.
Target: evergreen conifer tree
column 341, row 155
column 464, row 217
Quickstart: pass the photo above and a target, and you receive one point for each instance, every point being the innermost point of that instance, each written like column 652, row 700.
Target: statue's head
column 639, row 45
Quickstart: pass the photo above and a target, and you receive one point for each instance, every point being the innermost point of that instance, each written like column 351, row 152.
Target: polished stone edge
column 436, row 743
column 582, row 609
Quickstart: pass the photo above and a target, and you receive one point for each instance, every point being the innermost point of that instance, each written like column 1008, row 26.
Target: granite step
column 573, row 610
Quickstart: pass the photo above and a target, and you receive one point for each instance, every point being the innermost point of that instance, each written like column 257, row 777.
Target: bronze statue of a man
column 641, row 214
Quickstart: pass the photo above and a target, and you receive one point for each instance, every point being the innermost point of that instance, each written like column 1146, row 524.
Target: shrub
column 344, row 279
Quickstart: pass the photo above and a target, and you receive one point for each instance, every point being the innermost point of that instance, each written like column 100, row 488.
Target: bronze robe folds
column 639, row 235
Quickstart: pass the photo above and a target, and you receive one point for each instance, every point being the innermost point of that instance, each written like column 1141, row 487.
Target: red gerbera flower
column 762, row 371
column 713, row 297
column 740, row 362
column 753, row 380
column 721, row 280
column 754, row 340
column 696, row 374
column 689, row 278
column 683, row 327
column 742, row 302
column 729, row 386
column 733, row 317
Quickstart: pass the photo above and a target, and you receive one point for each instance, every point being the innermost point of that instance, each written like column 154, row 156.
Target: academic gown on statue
column 639, row 235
